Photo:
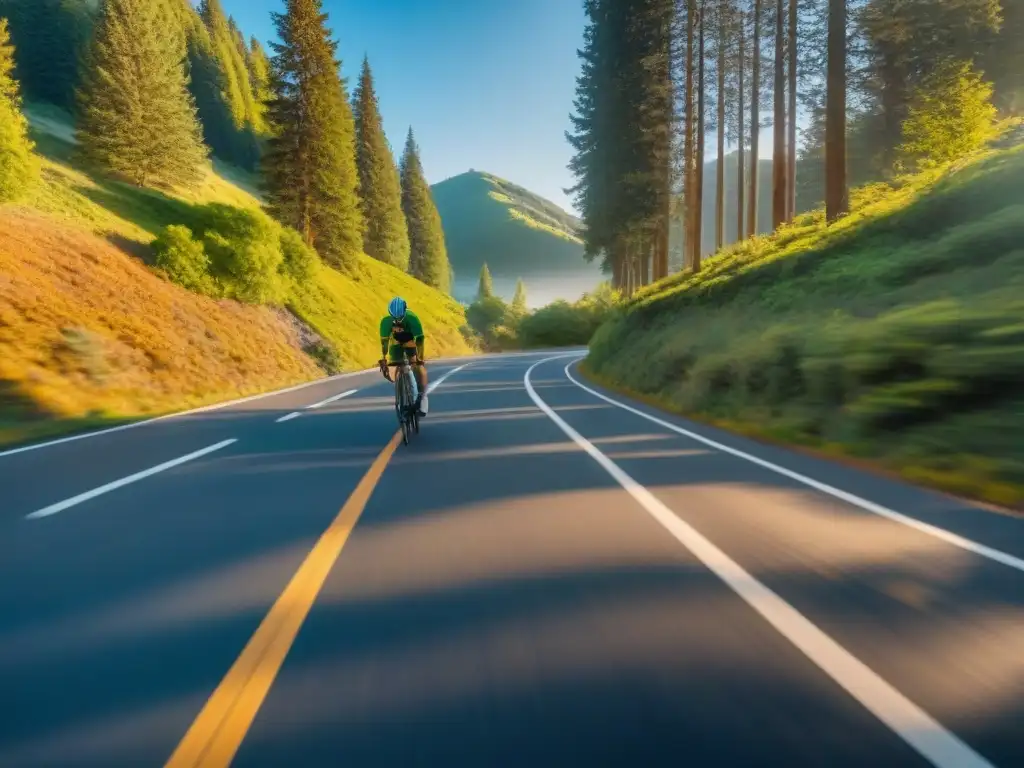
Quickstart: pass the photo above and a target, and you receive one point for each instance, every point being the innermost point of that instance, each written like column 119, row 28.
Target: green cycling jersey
column 406, row 333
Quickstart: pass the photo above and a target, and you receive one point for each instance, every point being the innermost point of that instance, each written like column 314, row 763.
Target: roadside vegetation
column 894, row 335
column 883, row 322
column 500, row 326
column 140, row 271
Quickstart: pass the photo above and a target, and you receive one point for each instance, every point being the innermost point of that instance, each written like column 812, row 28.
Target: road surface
column 548, row 575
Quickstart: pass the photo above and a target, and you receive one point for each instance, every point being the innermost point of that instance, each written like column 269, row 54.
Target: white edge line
column 289, row 417
column 178, row 414
column 330, row 399
column 911, row 723
column 869, row 506
column 67, row 503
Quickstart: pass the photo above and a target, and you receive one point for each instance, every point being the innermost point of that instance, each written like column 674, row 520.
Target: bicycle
column 405, row 397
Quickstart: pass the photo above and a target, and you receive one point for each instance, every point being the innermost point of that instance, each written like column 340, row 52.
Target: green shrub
column 244, row 248
column 562, row 324
column 490, row 318
column 184, row 259
column 19, row 167
column 300, row 262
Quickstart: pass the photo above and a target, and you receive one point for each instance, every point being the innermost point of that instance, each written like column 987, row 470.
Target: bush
column 951, row 115
column 492, row 320
column 300, row 262
column 244, row 248
column 562, row 324
column 184, row 259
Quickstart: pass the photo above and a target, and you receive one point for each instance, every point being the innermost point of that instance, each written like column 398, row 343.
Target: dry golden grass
column 87, row 331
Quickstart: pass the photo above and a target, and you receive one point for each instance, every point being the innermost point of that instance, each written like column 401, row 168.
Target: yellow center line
column 218, row 730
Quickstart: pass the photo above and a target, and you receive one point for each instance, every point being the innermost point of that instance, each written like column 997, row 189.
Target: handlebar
column 384, row 369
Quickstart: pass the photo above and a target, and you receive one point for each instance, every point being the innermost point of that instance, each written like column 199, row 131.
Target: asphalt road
column 543, row 577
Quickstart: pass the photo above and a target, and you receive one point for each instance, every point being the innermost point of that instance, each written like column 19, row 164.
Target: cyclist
column 406, row 330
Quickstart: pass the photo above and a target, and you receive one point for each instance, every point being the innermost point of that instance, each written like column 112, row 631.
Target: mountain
column 517, row 233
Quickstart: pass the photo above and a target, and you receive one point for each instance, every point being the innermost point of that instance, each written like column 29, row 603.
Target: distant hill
column 517, row 233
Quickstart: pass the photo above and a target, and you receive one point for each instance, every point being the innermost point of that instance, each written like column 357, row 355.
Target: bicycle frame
column 405, row 397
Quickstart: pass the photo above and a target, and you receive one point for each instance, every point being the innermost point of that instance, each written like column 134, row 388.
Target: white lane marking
column 869, row 506
column 178, row 414
column 289, row 417
column 330, row 399
column 911, row 723
column 68, row 503
column 452, row 372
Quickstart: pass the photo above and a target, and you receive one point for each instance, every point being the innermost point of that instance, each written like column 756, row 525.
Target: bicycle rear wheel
column 405, row 407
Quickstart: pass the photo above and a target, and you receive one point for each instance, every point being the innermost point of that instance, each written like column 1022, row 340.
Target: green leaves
column 309, row 168
column 387, row 236
column 18, row 166
column 138, row 120
column 428, row 257
column 950, row 116
column 485, row 290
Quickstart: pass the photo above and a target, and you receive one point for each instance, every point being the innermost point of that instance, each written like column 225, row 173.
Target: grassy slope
column 88, row 333
column 515, row 231
column 895, row 335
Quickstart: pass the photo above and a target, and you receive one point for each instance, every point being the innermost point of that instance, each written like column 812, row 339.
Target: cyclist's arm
column 420, row 345
column 385, row 336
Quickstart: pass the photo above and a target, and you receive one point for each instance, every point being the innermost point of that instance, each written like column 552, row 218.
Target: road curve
column 549, row 574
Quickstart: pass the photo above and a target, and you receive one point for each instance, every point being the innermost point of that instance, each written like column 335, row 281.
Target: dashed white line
column 868, row 506
column 177, row 414
column 911, row 723
column 289, row 417
column 75, row 500
column 330, row 400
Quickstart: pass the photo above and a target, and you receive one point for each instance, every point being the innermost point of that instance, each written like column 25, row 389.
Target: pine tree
column 755, row 122
column 485, row 288
column 138, row 119
column 206, row 84
column 238, row 141
column 18, row 166
column 428, row 257
column 309, row 168
column 780, row 165
column 386, row 236
column 259, row 74
column 50, row 37
column 519, row 307
column 837, row 195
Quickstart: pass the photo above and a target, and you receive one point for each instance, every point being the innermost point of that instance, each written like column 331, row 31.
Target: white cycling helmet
column 397, row 308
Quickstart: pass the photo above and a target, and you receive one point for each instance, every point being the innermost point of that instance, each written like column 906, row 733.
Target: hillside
column 517, row 233
column 894, row 335
column 90, row 332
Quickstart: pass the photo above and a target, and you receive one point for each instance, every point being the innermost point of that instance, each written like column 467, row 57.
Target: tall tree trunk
column 741, row 159
column 755, row 124
column 791, row 174
column 698, row 239
column 779, row 162
column 689, row 171
column 645, row 262
column 664, row 225
column 837, row 196
column 720, row 169
column 661, row 237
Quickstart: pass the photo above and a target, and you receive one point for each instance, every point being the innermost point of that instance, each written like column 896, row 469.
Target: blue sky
column 485, row 84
